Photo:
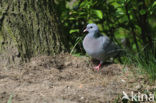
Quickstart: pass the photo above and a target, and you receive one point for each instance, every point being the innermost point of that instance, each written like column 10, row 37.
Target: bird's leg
column 98, row 67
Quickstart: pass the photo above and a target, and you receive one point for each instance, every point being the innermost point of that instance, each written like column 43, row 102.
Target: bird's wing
column 109, row 47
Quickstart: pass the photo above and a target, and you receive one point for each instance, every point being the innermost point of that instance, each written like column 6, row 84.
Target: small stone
column 123, row 80
column 82, row 98
column 138, row 87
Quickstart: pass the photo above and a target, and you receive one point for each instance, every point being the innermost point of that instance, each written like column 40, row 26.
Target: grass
column 149, row 67
column 78, row 40
column 10, row 99
column 147, row 64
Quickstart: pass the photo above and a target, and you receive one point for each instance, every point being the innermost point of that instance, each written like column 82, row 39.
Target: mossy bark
column 29, row 28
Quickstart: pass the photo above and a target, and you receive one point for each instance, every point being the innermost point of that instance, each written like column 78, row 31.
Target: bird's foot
column 97, row 67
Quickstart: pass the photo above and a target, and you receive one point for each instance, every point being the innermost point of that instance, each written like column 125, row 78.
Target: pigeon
column 98, row 46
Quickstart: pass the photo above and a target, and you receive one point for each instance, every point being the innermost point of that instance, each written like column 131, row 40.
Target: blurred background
column 129, row 23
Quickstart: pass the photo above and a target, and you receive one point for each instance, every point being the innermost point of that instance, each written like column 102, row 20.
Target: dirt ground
column 66, row 79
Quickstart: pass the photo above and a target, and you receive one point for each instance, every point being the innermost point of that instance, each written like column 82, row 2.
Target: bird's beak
column 85, row 30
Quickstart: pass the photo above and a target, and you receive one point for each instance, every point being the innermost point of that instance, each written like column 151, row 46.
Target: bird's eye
column 91, row 27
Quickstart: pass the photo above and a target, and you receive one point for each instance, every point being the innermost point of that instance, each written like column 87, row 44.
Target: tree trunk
column 29, row 28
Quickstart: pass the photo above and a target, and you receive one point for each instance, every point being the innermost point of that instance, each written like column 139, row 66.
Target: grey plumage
column 99, row 46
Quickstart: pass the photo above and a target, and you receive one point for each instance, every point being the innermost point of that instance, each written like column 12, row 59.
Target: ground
column 67, row 79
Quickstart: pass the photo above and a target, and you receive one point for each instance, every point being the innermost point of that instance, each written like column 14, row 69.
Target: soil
column 66, row 79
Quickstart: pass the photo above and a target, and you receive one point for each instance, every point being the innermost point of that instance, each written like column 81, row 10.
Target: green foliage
column 73, row 31
column 98, row 13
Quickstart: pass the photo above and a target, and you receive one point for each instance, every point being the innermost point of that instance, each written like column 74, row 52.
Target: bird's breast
column 92, row 46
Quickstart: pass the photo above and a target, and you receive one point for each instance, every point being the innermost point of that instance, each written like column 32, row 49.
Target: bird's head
column 91, row 28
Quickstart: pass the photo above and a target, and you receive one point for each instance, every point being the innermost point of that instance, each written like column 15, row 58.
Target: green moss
column 10, row 33
column 0, row 13
column 1, row 39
